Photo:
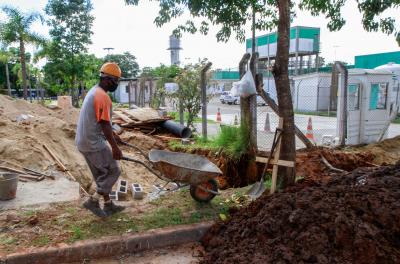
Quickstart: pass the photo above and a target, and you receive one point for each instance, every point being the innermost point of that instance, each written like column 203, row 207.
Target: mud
column 353, row 218
column 309, row 163
column 235, row 173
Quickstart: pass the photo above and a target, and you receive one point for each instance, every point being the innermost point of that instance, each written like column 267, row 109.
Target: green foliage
column 70, row 24
column 164, row 74
column 231, row 16
column 16, row 30
column 127, row 63
column 196, row 119
column 189, row 92
column 231, row 141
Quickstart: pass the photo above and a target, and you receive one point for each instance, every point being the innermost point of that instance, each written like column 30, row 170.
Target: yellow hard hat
column 111, row 68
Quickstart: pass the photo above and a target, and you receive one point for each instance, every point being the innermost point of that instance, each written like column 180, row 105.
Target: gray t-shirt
column 97, row 106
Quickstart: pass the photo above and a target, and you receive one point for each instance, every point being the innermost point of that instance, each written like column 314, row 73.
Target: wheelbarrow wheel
column 200, row 195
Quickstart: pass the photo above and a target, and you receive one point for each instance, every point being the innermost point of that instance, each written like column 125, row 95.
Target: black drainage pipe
column 177, row 129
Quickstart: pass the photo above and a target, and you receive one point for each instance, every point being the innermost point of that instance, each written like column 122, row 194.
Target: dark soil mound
column 354, row 218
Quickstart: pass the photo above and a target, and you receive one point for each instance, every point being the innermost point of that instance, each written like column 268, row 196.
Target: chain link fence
column 372, row 99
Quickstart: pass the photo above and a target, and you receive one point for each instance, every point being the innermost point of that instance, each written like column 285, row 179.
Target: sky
column 131, row 28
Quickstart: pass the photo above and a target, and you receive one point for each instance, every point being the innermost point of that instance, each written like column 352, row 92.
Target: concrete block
column 122, row 189
column 137, row 191
column 114, row 195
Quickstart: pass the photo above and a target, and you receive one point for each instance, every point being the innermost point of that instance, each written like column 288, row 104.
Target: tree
column 164, row 74
column 127, row 63
column 232, row 16
column 17, row 30
column 70, row 22
column 5, row 58
column 189, row 91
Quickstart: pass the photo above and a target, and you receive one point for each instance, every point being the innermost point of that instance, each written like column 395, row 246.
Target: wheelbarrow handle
column 136, row 148
column 143, row 164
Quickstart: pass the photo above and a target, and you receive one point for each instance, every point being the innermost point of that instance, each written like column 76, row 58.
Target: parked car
column 222, row 96
column 230, row 99
column 236, row 100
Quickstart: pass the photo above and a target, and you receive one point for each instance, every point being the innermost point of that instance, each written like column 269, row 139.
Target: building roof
column 370, row 61
column 358, row 71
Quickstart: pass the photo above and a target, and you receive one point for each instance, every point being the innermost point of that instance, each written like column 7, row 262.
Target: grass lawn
column 196, row 119
column 68, row 222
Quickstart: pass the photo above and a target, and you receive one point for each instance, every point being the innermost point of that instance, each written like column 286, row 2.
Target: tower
column 174, row 47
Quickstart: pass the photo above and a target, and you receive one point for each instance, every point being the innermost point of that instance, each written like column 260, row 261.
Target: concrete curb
column 111, row 246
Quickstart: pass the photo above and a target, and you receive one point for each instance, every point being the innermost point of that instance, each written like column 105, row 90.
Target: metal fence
column 372, row 104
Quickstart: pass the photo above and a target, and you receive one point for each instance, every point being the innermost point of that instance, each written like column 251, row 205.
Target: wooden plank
column 142, row 114
column 64, row 169
column 30, row 171
column 276, row 159
column 284, row 163
column 123, row 117
column 30, row 177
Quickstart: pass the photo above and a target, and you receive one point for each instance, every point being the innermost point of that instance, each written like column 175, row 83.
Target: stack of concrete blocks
column 114, row 195
column 122, row 189
column 137, row 191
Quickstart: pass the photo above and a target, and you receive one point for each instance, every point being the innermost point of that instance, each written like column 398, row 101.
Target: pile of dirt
column 25, row 127
column 354, row 218
column 385, row 152
column 309, row 163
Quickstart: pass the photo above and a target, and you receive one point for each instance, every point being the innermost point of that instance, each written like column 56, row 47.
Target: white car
column 229, row 99
column 223, row 96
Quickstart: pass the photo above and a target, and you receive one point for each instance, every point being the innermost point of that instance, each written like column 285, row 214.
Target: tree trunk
column 281, row 76
column 23, row 66
column 8, row 79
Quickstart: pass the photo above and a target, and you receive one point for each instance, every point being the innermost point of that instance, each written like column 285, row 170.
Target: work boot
column 110, row 208
column 94, row 206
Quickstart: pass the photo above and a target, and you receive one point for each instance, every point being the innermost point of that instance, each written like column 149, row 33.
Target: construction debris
column 354, row 218
column 145, row 120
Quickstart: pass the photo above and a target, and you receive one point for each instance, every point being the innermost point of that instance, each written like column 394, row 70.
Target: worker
column 94, row 128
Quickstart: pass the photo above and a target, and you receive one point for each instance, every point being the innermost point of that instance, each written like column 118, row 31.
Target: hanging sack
column 247, row 86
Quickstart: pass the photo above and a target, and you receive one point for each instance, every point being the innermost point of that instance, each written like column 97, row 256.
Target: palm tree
column 5, row 57
column 16, row 30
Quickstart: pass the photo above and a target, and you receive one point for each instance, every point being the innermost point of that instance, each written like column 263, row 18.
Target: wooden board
column 142, row 114
column 276, row 159
column 284, row 163
column 123, row 117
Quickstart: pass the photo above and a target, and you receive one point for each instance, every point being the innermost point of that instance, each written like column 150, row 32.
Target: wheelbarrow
column 182, row 169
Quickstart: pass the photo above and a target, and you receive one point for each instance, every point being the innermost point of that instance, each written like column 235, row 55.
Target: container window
column 353, row 97
column 127, row 89
column 378, row 96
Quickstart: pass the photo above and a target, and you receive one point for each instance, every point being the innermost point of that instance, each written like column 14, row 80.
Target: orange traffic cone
column 219, row 116
column 310, row 134
column 267, row 126
column 235, row 121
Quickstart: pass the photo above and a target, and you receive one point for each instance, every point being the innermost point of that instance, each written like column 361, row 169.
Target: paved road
column 321, row 125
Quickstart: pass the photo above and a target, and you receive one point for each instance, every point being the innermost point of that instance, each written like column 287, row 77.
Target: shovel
column 259, row 187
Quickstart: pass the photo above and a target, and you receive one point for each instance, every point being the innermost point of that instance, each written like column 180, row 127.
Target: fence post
column 252, row 108
column 244, row 103
column 203, row 85
column 342, row 111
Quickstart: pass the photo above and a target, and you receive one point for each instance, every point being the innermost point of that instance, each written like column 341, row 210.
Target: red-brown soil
column 353, row 218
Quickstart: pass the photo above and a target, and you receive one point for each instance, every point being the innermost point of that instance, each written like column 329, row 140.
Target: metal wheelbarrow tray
column 184, row 169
